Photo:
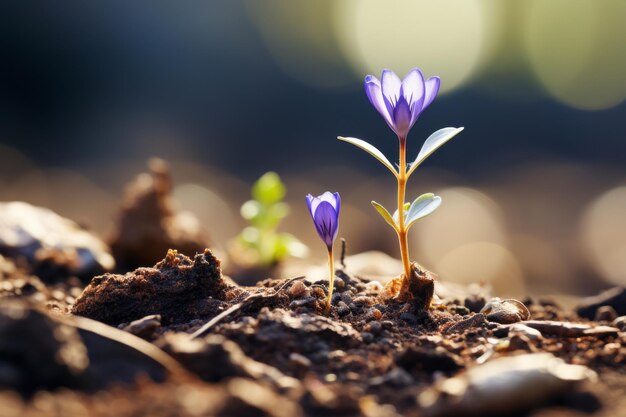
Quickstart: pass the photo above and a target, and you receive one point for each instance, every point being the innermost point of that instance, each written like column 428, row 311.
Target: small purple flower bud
column 401, row 102
column 325, row 213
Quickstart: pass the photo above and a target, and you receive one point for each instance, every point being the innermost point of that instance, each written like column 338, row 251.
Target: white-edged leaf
column 385, row 214
column 422, row 207
column 434, row 142
column 395, row 216
column 371, row 150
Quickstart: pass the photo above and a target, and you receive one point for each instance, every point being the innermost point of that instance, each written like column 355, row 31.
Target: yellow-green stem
column 402, row 232
column 331, row 278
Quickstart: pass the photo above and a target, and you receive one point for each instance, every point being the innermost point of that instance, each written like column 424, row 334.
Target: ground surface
column 182, row 339
column 223, row 349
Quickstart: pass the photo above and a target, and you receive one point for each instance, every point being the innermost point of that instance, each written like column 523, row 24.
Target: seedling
column 264, row 213
column 325, row 213
column 401, row 103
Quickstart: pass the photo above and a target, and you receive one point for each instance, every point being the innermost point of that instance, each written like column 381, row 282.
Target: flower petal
column 413, row 88
column 309, row 200
column 330, row 198
column 313, row 203
column 326, row 223
column 390, row 85
column 375, row 95
column 337, row 202
column 402, row 117
column 432, row 88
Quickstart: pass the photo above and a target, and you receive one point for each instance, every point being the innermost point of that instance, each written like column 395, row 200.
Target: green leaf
column 395, row 216
column 371, row 150
column 385, row 214
column 268, row 189
column 422, row 207
column 434, row 142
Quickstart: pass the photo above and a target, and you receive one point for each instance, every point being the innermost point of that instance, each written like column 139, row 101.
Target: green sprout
column 264, row 213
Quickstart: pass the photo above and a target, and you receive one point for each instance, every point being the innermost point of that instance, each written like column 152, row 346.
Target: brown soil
column 270, row 350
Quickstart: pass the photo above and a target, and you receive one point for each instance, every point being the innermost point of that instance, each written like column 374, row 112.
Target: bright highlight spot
column 604, row 234
column 465, row 241
column 403, row 34
column 576, row 49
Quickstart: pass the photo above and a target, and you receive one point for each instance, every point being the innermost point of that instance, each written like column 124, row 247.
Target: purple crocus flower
column 401, row 102
column 325, row 213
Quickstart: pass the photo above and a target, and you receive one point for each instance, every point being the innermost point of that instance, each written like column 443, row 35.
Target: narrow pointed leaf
column 434, row 142
column 395, row 216
column 384, row 213
column 371, row 150
column 422, row 207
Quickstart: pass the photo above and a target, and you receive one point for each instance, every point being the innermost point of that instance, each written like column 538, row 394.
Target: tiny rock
column 144, row 327
column 505, row 311
column 620, row 323
column 297, row 289
column 503, row 386
column 53, row 246
column 605, row 313
column 299, row 361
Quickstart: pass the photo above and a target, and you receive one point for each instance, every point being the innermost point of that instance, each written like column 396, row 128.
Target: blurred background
column 534, row 189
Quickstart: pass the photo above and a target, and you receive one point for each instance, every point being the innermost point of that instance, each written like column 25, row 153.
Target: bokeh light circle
column 576, row 49
column 403, row 34
column 603, row 233
column 466, row 241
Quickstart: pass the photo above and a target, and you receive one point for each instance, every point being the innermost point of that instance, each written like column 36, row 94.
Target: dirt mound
column 177, row 288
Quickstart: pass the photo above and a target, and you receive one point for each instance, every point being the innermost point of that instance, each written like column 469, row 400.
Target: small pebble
column 302, row 302
column 505, row 311
column 362, row 300
column 605, row 313
column 373, row 327
column 318, row 292
column 299, row 361
column 346, row 297
column 340, row 284
column 367, row 337
column 144, row 327
column 408, row 317
column 387, row 324
column 376, row 314
column 337, row 354
column 342, row 309
column 380, row 307
column 297, row 289
column 620, row 323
